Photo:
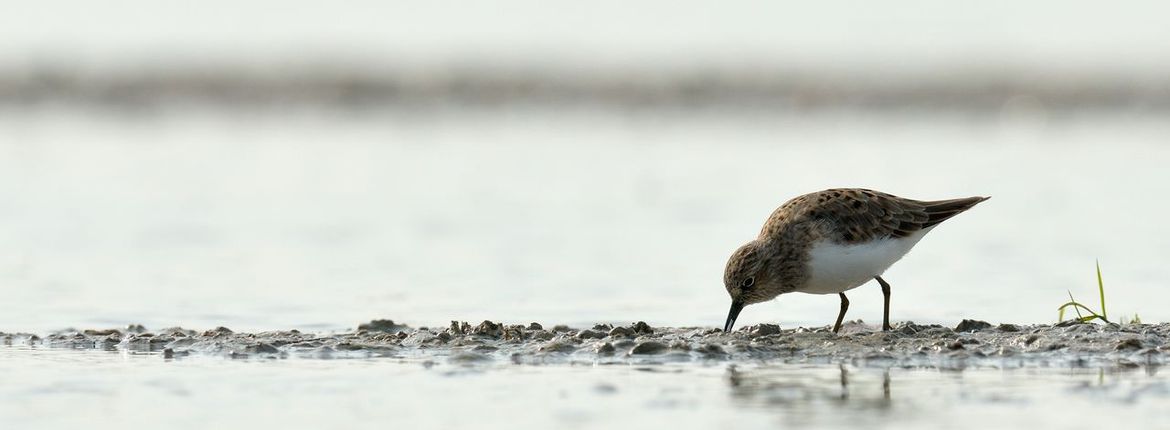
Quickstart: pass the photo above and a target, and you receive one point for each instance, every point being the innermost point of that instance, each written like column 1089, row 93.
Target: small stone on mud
column 387, row 326
column 560, row 328
column 459, row 328
column 603, row 327
column 488, row 328
column 1083, row 328
column 535, row 326
column 1008, row 328
column 217, row 331
column 621, row 332
column 641, row 327
column 648, row 348
column 590, row 334
column 514, row 333
column 177, row 332
column 1128, row 344
column 972, row 325
column 908, row 328
column 765, row 329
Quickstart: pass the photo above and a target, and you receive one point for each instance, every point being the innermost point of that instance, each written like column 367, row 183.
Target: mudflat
column 971, row 342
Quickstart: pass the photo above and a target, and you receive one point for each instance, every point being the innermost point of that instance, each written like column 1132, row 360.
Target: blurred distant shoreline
column 225, row 86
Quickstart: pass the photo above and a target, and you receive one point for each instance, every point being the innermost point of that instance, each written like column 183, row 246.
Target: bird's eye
column 747, row 283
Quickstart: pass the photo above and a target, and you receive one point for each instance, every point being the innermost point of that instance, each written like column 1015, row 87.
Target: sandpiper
column 829, row 242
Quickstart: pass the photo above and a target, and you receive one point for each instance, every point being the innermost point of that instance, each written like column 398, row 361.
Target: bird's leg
column 841, row 316
column 886, row 311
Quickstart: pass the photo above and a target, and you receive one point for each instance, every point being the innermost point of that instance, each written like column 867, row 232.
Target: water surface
column 53, row 388
column 317, row 220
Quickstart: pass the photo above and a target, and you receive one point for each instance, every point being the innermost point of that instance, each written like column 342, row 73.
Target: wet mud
column 970, row 343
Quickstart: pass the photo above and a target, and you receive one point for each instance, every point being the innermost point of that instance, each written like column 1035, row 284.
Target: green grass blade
column 1076, row 305
column 1072, row 300
column 1101, row 290
column 1060, row 314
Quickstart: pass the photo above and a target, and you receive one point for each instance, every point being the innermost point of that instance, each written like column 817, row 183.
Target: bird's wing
column 855, row 215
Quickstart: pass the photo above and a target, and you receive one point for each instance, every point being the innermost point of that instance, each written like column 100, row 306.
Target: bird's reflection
column 791, row 386
column 844, row 394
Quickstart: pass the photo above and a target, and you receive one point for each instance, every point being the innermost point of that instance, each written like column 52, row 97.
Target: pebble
column 641, row 327
column 1128, row 344
column 488, row 328
column 621, row 332
column 765, row 329
column 1008, row 328
column 972, row 325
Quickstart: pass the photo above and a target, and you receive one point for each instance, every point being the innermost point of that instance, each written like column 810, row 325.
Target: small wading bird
column 830, row 242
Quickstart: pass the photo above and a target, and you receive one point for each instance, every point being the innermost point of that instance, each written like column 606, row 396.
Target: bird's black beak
column 732, row 315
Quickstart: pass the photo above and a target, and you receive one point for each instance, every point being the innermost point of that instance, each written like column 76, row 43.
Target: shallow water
column 515, row 376
column 55, row 388
column 319, row 220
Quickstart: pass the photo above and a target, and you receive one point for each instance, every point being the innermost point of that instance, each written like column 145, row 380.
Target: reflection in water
column 811, row 388
column 847, row 394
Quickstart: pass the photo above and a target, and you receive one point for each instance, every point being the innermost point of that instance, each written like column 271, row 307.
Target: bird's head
column 746, row 279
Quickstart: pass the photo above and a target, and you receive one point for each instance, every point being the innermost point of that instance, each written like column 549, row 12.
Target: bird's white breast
column 834, row 268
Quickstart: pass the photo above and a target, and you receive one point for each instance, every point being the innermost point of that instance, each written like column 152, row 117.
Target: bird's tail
column 942, row 210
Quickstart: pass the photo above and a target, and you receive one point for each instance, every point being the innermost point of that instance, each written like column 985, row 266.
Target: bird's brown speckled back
column 857, row 215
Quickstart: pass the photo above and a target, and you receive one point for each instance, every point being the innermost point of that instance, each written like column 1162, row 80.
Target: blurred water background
column 275, row 165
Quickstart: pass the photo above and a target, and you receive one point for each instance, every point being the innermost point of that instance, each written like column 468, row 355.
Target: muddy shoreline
column 971, row 343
